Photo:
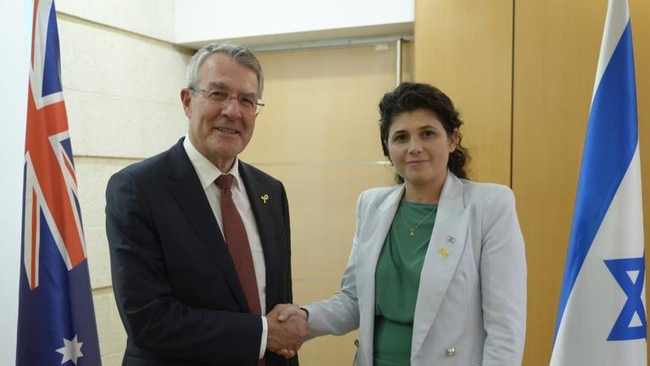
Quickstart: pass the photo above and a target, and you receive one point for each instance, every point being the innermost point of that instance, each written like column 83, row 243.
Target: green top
column 397, row 278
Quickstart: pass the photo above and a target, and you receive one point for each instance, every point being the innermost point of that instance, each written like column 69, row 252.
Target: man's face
column 221, row 129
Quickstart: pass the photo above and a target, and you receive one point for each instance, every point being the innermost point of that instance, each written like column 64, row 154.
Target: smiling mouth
column 227, row 131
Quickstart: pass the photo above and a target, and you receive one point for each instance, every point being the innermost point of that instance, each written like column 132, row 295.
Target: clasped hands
column 288, row 329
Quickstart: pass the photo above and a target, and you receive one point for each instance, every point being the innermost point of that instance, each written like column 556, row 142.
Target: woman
column 437, row 271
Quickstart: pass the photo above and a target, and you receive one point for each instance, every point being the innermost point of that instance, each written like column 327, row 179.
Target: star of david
column 623, row 330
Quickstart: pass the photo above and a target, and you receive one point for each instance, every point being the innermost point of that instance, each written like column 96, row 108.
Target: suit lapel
column 261, row 199
column 442, row 258
column 185, row 187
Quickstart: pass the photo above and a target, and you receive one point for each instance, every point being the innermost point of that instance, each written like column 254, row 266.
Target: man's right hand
column 288, row 329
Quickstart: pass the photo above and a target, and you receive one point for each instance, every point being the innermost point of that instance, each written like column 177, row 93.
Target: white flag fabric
column 601, row 317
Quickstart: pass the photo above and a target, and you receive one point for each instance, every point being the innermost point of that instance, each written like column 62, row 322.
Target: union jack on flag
column 56, row 319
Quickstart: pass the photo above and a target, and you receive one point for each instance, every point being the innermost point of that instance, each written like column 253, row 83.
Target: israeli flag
column 601, row 318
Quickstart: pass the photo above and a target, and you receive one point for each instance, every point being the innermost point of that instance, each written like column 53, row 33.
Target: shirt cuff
column 306, row 312
column 265, row 333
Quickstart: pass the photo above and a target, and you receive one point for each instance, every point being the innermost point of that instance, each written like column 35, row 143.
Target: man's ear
column 186, row 98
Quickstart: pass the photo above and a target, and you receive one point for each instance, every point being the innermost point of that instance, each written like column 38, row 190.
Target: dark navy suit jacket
column 175, row 284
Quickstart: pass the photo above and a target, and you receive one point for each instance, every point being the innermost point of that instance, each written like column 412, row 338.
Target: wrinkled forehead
column 221, row 70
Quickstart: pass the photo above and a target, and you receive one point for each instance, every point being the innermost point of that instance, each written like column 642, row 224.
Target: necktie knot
column 224, row 181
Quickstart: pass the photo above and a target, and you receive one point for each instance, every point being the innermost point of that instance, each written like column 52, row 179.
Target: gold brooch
column 443, row 252
column 264, row 197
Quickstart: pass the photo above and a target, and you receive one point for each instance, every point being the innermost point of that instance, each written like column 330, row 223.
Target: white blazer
column 471, row 303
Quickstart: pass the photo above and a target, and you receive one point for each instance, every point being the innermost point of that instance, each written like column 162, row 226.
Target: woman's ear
column 453, row 140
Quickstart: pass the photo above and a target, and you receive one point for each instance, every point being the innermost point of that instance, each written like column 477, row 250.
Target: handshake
column 288, row 329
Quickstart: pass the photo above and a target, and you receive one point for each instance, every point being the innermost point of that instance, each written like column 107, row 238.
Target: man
column 184, row 293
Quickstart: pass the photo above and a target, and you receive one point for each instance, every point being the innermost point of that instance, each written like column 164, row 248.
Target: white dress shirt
column 208, row 173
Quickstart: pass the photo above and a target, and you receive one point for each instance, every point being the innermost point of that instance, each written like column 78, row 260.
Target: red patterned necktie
column 237, row 242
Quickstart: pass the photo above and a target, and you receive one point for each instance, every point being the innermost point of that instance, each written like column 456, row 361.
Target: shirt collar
column 207, row 171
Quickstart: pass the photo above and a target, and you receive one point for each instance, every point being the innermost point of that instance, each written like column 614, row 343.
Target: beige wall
column 529, row 65
column 465, row 48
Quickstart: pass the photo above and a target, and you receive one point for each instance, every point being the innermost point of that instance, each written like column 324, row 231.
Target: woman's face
column 419, row 147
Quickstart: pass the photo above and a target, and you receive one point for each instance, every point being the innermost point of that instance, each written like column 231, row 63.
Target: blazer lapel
column 368, row 254
column 442, row 258
column 185, row 187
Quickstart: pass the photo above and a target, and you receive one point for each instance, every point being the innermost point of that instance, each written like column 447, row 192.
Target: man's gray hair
column 243, row 55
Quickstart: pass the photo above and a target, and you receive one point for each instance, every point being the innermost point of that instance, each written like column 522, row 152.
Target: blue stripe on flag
column 52, row 66
column 609, row 147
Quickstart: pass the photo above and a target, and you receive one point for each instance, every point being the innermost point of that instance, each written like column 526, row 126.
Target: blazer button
column 450, row 352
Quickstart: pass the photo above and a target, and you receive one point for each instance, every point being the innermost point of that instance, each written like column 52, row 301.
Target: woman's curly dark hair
column 408, row 97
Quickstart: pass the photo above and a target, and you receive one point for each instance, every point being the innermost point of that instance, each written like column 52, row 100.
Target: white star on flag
column 71, row 350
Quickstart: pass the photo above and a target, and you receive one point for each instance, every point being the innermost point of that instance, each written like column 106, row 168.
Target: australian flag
column 602, row 318
column 56, row 319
